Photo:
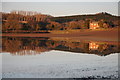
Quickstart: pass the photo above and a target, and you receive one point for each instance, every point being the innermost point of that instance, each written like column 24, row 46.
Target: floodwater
column 28, row 57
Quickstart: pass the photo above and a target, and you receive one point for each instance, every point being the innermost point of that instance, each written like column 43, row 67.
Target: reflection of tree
column 11, row 44
column 102, row 47
column 21, row 45
column 29, row 46
column 77, row 46
column 52, row 44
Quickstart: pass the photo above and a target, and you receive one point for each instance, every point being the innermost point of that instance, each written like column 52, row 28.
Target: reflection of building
column 94, row 25
column 93, row 46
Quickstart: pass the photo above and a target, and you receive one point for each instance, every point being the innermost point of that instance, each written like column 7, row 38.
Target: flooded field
column 45, row 57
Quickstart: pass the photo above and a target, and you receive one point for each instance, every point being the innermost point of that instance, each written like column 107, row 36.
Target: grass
column 79, row 30
column 68, row 31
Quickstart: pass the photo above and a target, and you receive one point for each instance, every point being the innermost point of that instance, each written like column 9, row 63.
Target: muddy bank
column 98, row 35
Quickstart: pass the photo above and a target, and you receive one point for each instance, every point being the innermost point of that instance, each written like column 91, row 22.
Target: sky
column 62, row 8
column 60, row 0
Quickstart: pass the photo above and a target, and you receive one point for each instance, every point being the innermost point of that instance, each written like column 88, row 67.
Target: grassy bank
column 79, row 30
column 86, row 34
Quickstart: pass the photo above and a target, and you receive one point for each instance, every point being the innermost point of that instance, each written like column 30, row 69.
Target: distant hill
column 103, row 15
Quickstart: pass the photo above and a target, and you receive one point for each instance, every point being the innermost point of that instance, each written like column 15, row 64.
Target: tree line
column 32, row 21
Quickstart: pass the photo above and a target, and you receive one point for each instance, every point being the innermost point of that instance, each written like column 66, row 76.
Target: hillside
column 98, row 16
column 14, row 22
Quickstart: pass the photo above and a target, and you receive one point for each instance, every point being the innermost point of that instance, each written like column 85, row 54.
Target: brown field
column 97, row 35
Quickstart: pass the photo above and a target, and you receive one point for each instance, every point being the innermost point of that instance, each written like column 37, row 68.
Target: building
column 94, row 25
column 93, row 46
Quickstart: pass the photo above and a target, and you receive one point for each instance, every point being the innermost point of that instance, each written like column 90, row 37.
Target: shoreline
column 97, row 35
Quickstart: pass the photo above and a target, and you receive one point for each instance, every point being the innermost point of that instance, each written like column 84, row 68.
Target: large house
column 94, row 25
column 93, row 46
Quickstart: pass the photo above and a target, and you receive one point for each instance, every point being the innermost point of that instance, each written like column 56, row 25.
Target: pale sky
column 62, row 8
column 60, row 0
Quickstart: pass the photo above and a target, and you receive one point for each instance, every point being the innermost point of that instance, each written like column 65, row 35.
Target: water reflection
column 32, row 46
